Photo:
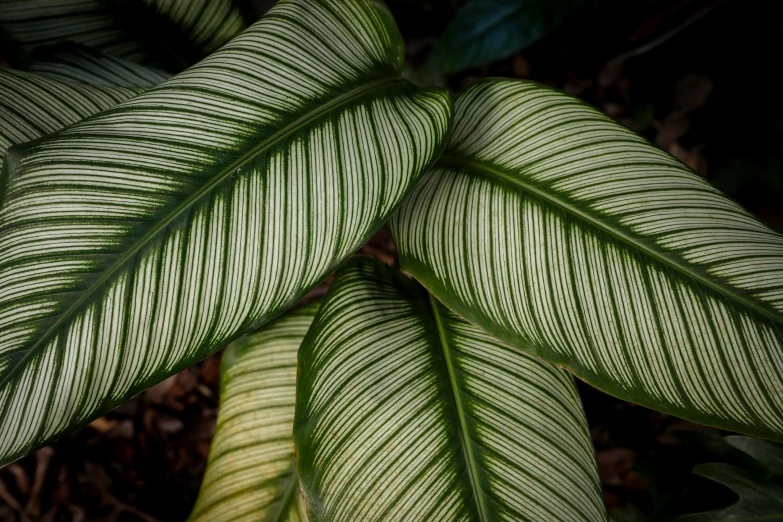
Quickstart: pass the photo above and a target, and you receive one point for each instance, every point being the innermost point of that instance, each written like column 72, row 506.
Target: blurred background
column 698, row 78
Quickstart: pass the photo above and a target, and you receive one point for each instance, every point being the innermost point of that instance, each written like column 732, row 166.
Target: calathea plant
column 143, row 228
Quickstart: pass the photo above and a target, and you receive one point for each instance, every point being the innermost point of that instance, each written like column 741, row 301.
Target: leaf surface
column 32, row 107
column 177, row 32
column 760, row 496
column 407, row 412
column 563, row 233
column 79, row 64
column 136, row 242
column 483, row 31
column 251, row 474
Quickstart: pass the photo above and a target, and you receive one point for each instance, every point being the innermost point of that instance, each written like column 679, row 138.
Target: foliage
column 758, row 485
column 144, row 226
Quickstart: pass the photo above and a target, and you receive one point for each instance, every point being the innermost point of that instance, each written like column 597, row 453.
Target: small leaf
column 563, row 233
column 759, row 499
column 138, row 241
column 251, row 474
column 483, row 31
column 407, row 412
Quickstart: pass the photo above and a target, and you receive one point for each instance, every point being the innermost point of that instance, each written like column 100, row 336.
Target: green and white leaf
column 208, row 24
column 760, row 495
column 407, row 412
column 138, row 241
column 176, row 32
column 76, row 63
column 561, row 232
column 32, row 107
column 27, row 24
column 251, row 474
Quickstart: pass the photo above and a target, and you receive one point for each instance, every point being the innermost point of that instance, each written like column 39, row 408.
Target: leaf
column 251, row 474
column 561, row 232
column 767, row 454
column 760, row 496
column 76, row 63
column 26, row 24
column 32, row 107
column 138, row 241
column 407, row 412
column 208, row 24
column 484, row 31
column 176, row 32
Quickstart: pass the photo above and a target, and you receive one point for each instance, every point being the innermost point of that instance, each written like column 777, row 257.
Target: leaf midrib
column 191, row 201
column 464, row 435
column 448, row 160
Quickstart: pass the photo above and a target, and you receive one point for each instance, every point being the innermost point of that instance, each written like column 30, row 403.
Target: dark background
column 699, row 78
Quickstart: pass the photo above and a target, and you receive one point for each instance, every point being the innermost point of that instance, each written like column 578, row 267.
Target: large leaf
column 407, row 412
column 76, row 63
column 175, row 32
column 251, row 474
column 760, row 495
column 134, row 243
column 32, row 107
column 563, row 233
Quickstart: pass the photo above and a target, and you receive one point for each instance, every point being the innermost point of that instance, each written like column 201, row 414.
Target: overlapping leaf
column 407, row 412
column 760, row 493
column 176, row 32
column 561, row 232
column 32, row 107
column 75, row 63
column 135, row 242
column 251, row 474
column 483, row 31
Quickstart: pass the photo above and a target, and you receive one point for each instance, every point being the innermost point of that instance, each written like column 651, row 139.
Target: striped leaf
column 134, row 243
column 27, row 24
column 207, row 24
column 76, row 63
column 32, row 107
column 251, row 474
column 407, row 412
column 563, row 233
column 176, row 32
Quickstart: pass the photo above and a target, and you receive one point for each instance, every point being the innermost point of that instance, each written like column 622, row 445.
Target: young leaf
column 563, row 233
column 32, row 106
column 251, row 474
column 76, row 63
column 134, row 243
column 760, row 496
column 407, row 412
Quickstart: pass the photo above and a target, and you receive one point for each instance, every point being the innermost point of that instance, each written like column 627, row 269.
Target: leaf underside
column 138, row 241
column 251, row 473
column 563, row 233
column 407, row 412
